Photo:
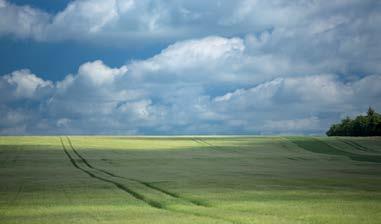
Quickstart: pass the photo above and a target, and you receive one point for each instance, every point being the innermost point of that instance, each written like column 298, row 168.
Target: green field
column 190, row 180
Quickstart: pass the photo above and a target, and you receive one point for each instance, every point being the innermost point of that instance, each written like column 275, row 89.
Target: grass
column 102, row 179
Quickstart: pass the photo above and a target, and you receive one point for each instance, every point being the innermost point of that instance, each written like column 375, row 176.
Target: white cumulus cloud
column 23, row 84
column 291, row 77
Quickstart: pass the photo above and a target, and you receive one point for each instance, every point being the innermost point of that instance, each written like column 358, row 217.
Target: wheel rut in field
column 203, row 142
column 147, row 184
column 355, row 145
column 319, row 146
column 134, row 194
column 87, row 163
column 216, row 148
column 174, row 195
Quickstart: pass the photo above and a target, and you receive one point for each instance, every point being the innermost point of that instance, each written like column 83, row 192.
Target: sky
column 180, row 67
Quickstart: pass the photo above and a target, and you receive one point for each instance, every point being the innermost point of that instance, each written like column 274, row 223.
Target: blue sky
column 186, row 67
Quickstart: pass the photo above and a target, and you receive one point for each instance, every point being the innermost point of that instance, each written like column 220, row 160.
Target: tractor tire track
column 355, row 145
column 136, row 195
column 220, row 149
column 148, row 185
column 197, row 141
column 87, row 163
column 174, row 195
column 203, row 142
column 214, row 147
column 318, row 146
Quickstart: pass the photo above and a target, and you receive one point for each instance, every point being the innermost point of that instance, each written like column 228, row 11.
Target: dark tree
column 369, row 125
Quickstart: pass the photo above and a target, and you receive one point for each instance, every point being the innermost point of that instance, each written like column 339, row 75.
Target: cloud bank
column 229, row 67
column 195, row 86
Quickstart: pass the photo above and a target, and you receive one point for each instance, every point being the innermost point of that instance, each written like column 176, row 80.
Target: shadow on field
column 319, row 146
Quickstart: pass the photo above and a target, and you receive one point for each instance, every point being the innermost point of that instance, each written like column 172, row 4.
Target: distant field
column 190, row 180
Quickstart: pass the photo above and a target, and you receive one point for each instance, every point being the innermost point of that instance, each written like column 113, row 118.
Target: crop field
column 99, row 179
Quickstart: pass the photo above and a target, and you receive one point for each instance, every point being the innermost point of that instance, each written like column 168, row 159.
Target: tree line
column 369, row 125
